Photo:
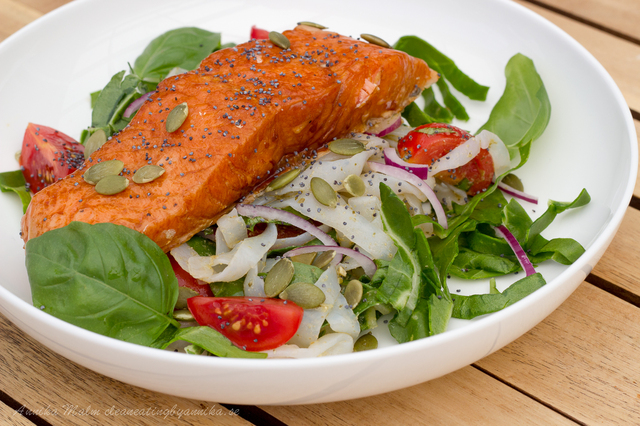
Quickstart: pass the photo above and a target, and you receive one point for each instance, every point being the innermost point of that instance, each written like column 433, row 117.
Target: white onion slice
column 233, row 228
column 329, row 344
column 391, row 158
column 497, row 149
column 518, row 194
column 366, row 263
column 271, row 213
column 418, row 183
column 390, row 128
column 503, row 232
column 459, row 156
column 298, row 240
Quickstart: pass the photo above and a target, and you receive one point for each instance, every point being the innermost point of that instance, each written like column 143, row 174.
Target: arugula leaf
column 182, row 47
column 14, row 182
column 522, row 113
column 467, row 307
column 205, row 337
column 105, row 278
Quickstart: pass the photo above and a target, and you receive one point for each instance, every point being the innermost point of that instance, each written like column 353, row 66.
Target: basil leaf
column 106, row 278
column 182, row 47
column 207, row 338
column 522, row 113
column 467, row 307
column 14, row 182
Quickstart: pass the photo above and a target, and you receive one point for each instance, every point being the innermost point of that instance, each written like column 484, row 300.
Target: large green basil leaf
column 105, row 278
column 182, row 47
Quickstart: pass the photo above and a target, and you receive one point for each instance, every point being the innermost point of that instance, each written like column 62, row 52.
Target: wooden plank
column 619, row 264
column 636, row 191
column 619, row 57
column 40, row 379
column 44, row 6
column 464, row 397
column 621, row 16
column 11, row 417
column 583, row 359
column 15, row 15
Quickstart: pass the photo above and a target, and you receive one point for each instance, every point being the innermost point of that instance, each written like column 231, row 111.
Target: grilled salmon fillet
column 249, row 106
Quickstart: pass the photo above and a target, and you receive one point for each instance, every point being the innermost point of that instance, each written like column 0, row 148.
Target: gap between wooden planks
column 39, row 378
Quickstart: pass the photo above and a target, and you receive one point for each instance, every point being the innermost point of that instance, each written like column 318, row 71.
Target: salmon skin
column 249, row 106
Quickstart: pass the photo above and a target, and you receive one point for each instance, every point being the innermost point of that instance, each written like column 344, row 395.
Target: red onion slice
column 391, row 158
column 271, row 213
column 503, row 232
column 367, row 264
column 518, row 194
column 418, row 183
column 133, row 106
column 390, row 129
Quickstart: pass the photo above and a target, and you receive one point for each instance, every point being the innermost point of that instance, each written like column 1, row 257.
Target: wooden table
column 579, row 366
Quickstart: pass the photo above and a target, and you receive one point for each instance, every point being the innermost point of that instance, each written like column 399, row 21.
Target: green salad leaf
column 105, row 278
column 14, row 182
column 206, row 338
column 522, row 113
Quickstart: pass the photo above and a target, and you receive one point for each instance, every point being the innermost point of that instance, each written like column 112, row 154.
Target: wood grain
column 619, row 57
column 619, row 264
column 621, row 16
column 38, row 378
column 583, row 359
column 10, row 417
column 15, row 15
column 464, row 397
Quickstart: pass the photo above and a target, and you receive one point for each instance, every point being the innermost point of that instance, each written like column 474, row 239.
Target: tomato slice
column 259, row 34
column 251, row 323
column 185, row 279
column 426, row 144
column 47, row 156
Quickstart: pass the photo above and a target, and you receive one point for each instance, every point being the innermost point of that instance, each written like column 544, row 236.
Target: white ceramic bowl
column 48, row 69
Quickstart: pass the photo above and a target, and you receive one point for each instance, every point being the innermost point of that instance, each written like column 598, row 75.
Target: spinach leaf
column 228, row 289
column 433, row 109
column 303, row 273
column 202, row 246
column 522, row 113
column 467, row 307
column 430, row 317
column 555, row 208
column 14, row 181
column 207, row 338
column 105, row 278
column 415, row 116
column 182, row 47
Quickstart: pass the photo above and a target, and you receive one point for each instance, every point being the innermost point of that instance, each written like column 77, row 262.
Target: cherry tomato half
column 259, row 34
column 251, row 323
column 429, row 142
column 186, row 280
column 48, row 155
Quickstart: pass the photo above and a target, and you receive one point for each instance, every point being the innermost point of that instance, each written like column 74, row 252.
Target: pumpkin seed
column 176, row 117
column 95, row 141
column 365, row 343
column 282, row 180
column 323, row 192
column 183, row 315
column 513, row 181
column 279, row 40
column 147, row 173
column 97, row 172
column 353, row 293
column 278, row 277
column 306, row 258
column 346, row 146
column 305, row 295
column 183, row 294
column 375, row 40
column 312, row 24
column 354, row 185
column 111, row 185
column 323, row 259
